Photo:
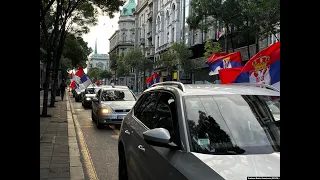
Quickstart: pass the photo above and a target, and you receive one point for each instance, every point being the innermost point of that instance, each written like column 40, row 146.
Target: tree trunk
column 232, row 46
column 144, row 80
column 257, row 44
column 46, row 88
column 248, row 40
column 57, row 64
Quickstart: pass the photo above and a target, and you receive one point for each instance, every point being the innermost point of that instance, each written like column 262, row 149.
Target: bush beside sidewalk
column 59, row 152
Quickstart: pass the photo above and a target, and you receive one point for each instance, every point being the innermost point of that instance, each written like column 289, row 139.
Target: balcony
column 142, row 41
column 150, row 15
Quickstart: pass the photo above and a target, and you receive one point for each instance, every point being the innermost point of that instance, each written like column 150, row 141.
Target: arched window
column 168, row 18
column 173, row 12
column 158, row 23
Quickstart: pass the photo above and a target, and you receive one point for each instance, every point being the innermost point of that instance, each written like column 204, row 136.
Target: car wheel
column 92, row 116
column 99, row 126
column 122, row 169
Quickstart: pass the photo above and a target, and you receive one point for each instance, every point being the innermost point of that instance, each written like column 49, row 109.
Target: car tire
column 122, row 167
column 92, row 116
column 99, row 126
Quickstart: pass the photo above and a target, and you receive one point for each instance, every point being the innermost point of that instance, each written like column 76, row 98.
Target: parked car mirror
column 159, row 137
column 95, row 99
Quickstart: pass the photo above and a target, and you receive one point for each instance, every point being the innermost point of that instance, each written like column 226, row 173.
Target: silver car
column 111, row 104
column 201, row 131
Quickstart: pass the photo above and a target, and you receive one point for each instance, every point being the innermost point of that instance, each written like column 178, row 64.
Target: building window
column 172, row 34
column 158, row 23
column 173, row 12
column 167, row 37
column 124, row 37
column 167, row 18
column 158, row 41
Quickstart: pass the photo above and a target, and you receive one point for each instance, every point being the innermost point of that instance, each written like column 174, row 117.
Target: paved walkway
column 59, row 153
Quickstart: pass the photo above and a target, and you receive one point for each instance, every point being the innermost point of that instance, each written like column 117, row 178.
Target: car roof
column 115, row 88
column 217, row 89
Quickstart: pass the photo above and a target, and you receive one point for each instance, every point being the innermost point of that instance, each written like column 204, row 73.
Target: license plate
column 121, row 116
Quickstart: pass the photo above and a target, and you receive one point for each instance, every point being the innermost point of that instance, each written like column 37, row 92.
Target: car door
column 145, row 110
column 127, row 139
column 158, row 162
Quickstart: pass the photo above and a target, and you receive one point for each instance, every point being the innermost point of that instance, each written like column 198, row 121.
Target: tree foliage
column 106, row 74
column 211, row 48
column 168, row 59
column 123, row 67
column 258, row 17
column 57, row 19
column 76, row 50
column 135, row 58
column 113, row 61
column 183, row 55
column 94, row 73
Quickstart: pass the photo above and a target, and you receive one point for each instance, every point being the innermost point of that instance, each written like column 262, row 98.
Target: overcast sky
column 102, row 32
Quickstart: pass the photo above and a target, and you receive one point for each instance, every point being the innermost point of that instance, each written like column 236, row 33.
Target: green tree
column 59, row 17
column 183, row 54
column 247, row 17
column 76, row 50
column 94, row 73
column 211, row 48
column 105, row 74
column 169, row 60
column 123, row 67
column 113, row 63
column 135, row 59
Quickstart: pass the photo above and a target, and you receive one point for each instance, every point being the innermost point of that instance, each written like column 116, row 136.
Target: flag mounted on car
column 263, row 68
column 153, row 79
column 221, row 60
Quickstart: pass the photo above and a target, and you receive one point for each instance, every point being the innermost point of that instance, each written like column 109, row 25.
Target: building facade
column 124, row 38
column 97, row 60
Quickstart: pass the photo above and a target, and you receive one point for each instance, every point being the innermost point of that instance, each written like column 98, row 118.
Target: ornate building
column 98, row 60
column 124, row 37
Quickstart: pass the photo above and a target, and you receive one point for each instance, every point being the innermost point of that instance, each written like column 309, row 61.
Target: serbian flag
column 74, row 85
column 153, row 79
column 263, row 68
column 229, row 75
column 85, row 80
column 98, row 83
column 222, row 61
column 80, row 71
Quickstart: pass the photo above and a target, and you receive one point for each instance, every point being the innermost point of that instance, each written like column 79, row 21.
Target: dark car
column 89, row 93
column 79, row 92
column 201, row 132
column 111, row 104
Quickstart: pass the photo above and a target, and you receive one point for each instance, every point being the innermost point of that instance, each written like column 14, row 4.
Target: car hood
column 118, row 104
column 90, row 95
column 234, row 167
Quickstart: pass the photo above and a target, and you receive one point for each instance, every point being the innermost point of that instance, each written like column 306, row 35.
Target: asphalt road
column 101, row 146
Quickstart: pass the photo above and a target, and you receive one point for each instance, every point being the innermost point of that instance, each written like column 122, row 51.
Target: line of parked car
column 196, row 131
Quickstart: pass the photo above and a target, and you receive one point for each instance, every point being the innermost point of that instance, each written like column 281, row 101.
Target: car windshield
column 90, row 91
column 117, row 95
column 233, row 124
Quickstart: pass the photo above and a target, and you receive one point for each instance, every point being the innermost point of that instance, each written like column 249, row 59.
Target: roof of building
column 128, row 8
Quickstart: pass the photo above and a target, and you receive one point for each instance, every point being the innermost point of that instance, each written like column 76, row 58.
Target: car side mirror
column 95, row 99
column 159, row 137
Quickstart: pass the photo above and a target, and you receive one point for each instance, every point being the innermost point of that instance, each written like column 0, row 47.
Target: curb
column 76, row 168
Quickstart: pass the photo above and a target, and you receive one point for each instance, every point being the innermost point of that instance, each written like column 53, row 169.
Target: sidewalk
column 58, row 143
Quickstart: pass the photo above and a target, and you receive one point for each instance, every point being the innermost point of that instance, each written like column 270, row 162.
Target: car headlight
column 78, row 92
column 88, row 99
column 106, row 110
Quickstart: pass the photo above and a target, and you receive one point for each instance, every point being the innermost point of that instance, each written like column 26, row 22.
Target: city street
column 98, row 147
